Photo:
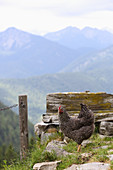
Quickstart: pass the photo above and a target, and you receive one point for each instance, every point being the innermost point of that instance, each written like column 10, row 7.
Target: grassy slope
column 97, row 154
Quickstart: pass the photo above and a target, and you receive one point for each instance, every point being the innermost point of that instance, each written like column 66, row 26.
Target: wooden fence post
column 23, row 121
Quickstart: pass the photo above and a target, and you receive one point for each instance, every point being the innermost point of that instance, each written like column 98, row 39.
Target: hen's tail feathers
column 84, row 107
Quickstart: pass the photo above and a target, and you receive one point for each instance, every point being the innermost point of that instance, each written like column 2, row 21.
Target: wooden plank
column 23, row 121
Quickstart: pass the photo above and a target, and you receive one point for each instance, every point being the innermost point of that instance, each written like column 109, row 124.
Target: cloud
column 81, row 7
column 62, row 6
column 51, row 15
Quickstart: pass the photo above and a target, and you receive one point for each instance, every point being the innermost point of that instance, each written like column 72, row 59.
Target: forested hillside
column 10, row 135
column 9, row 128
column 37, row 88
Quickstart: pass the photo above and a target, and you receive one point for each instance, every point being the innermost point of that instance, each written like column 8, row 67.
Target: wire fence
column 23, row 123
column 6, row 108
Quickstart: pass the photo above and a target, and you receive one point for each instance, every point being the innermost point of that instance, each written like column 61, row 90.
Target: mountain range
column 25, row 55
column 89, row 38
column 67, row 60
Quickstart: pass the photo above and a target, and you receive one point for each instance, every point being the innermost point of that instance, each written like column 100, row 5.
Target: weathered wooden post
column 23, row 120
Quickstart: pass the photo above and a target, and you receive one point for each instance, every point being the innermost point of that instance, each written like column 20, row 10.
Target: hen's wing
column 81, row 134
column 76, row 123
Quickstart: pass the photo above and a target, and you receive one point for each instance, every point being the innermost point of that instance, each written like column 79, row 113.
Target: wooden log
column 23, row 120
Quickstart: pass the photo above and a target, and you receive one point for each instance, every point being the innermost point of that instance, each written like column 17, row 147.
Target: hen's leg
column 79, row 147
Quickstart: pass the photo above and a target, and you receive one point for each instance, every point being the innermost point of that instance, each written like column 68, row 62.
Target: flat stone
column 57, row 146
column 50, row 118
column 46, row 118
column 106, row 128
column 107, row 116
column 46, row 165
column 101, row 147
column 71, row 101
column 99, row 117
column 42, row 127
column 104, row 136
column 90, row 166
column 85, row 142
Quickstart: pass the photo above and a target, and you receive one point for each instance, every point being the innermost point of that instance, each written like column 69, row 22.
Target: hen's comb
column 59, row 107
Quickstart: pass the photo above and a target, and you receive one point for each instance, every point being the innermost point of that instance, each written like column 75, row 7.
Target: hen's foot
column 79, row 147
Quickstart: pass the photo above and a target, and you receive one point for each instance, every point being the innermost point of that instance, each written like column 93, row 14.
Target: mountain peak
column 13, row 37
column 11, row 29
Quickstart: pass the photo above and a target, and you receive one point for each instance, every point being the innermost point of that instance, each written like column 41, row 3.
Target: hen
column 78, row 129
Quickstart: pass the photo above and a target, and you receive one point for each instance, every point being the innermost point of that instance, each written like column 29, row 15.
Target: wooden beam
column 23, row 121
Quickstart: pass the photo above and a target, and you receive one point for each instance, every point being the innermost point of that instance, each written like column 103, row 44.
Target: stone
column 104, row 147
column 57, row 146
column 85, row 142
column 43, row 127
column 53, row 118
column 110, row 157
column 50, row 118
column 46, row 136
column 104, row 136
column 111, row 150
column 46, row 118
column 39, row 128
column 99, row 117
column 46, row 165
column 66, row 140
column 106, row 128
column 86, row 156
column 90, row 166
column 100, row 102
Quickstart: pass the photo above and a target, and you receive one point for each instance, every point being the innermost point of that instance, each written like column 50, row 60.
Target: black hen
column 80, row 128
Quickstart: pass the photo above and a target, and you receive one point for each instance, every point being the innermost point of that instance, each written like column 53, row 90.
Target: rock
column 43, row 127
column 46, row 118
column 110, row 157
column 57, row 146
column 46, row 165
column 66, row 140
column 101, row 147
column 53, row 118
column 39, row 128
column 50, row 118
column 107, row 116
column 46, row 136
column 106, row 128
column 111, row 150
column 86, row 156
column 85, row 142
column 104, row 147
column 90, row 166
column 98, row 102
column 104, row 136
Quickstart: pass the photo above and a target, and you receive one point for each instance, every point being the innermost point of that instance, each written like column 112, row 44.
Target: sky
column 43, row 16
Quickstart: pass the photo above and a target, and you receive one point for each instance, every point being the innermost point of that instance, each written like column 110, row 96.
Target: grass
column 37, row 154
